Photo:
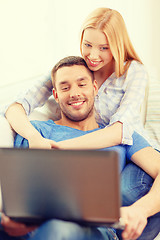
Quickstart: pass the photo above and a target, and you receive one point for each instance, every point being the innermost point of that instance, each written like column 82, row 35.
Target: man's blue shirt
column 50, row 130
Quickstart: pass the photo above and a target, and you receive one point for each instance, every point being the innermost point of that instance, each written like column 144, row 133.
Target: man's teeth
column 77, row 103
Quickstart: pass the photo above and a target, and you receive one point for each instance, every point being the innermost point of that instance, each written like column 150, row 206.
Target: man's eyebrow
column 63, row 82
column 78, row 80
column 82, row 79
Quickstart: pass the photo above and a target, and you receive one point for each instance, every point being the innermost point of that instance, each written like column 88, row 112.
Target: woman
column 121, row 79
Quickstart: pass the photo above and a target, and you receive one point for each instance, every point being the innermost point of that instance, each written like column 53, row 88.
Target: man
column 74, row 90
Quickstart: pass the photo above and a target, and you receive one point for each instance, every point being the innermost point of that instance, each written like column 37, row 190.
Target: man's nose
column 75, row 91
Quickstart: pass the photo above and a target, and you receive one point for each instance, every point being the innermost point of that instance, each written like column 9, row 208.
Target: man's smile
column 76, row 103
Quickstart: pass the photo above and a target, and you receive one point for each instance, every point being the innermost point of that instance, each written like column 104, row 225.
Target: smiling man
column 74, row 90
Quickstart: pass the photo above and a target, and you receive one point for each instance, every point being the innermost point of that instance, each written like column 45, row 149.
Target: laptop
column 72, row 185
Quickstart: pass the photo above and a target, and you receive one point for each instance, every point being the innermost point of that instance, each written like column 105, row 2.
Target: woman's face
column 95, row 49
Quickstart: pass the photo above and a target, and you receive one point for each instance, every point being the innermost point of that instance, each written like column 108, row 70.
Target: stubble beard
column 79, row 118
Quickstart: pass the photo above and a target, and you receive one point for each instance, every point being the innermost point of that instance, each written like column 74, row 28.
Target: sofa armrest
column 6, row 133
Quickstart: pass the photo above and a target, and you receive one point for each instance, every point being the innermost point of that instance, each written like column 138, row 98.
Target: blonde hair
column 111, row 23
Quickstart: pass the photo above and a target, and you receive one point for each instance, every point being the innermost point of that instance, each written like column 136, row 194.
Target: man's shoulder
column 38, row 123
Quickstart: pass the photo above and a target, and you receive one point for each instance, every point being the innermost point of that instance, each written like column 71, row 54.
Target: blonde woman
column 121, row 79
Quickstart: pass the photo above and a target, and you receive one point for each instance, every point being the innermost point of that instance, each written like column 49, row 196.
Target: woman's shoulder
column 137, row 70
column 136, row 73
column 137, row 66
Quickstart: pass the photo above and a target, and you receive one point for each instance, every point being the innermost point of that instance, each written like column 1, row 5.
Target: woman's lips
column 93, row 63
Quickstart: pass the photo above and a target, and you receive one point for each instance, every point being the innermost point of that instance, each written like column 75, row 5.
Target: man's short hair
column 68, row 62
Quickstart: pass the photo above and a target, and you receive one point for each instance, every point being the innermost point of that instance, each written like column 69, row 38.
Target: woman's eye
column 103, row 48
column 87, row 45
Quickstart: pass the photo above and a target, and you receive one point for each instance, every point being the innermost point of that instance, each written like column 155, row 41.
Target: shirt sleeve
column 34, row 97
column 128, row 111
column 21, row 142
column 138, row 143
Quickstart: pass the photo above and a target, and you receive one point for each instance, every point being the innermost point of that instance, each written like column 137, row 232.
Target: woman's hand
column 41, row 142
column 15, row 229
column 135, row 220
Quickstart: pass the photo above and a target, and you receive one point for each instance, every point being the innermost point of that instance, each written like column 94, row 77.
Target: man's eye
column 82, row 84
column 65, row 88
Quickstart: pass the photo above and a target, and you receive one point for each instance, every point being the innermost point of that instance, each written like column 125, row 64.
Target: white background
column 35, row 34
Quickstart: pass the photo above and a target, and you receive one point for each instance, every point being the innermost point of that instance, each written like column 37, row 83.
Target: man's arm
column 136, row 215
column 149, row 160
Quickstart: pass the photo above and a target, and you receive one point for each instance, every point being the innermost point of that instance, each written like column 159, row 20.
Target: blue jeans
column 135, row 183
column 61, row 230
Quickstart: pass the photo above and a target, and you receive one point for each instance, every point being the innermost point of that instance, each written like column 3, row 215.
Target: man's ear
column 95, row 87
column 55, row 94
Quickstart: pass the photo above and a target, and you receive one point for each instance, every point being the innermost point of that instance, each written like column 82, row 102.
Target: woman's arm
column 19, row 121
column 17, row 112
column 106, row 137
column 129, row 108
column 33, row 97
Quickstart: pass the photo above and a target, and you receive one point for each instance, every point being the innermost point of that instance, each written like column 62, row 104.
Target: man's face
column 75, row 92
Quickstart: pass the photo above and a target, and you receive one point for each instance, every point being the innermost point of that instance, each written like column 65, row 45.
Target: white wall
column 37, row 33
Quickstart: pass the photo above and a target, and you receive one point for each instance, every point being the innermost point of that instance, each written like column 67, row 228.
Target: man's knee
column 61, row 230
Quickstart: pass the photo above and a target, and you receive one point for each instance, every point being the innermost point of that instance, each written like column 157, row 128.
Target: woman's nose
column 94, row 53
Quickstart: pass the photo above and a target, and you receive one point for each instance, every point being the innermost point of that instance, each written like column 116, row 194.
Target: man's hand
column 40, row 142
column 15, row 229
column 135, row 221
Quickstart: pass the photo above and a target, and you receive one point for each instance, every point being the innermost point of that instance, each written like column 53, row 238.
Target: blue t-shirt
column 48, row 129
